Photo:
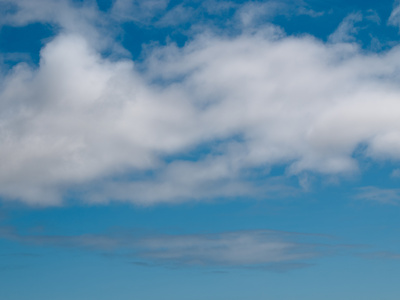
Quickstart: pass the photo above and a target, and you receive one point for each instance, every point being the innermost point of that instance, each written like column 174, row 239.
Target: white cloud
column 180, row 14
column 347, row 29
column 252, row 101
column 394, row 18
column 293, row 99
column 214, row 177
column 253, row 13
column 72, row 17
column 80, row 118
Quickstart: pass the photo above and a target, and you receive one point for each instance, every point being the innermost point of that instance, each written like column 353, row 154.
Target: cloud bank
column 116, row 129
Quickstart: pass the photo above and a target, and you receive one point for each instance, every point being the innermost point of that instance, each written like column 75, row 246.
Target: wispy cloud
column 267, row 249
column 346, row 29
column 382, row 255
column 395, row 173
column 394, row 18
column 379, row 195
column 236, row 248
column 138, row 11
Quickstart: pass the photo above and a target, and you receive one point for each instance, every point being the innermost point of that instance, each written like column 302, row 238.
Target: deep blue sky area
column 191, row 150
column 27, row 40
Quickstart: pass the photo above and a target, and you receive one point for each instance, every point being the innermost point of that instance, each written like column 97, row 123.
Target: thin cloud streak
column 379, row 195
column 244, row 249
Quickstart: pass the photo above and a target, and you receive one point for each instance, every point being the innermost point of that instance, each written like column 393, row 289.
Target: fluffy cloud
column 79, row 118
column 293, row 100
column 117, row 129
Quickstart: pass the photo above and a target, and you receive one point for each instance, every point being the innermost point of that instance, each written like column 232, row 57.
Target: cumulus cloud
column 80, row 116
column 294, row 100
column 239, row 104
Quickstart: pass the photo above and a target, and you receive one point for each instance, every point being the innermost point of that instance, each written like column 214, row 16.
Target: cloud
column 65, row 90
column 347, row 29
column 179, row 14
column 394, row 18
column 112, row 128
column 373, row 16
column 191, row 16
column 232, row 249
column 66, row 14
column 138, row 11
column 255, row 13
column 379, row 195
column 267, row 249
column 395, row 173
column 293, row 99
column 252, row 13
column 382, row 255
column 214, row 177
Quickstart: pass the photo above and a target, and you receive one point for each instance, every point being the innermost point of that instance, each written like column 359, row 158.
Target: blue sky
column 199, row 149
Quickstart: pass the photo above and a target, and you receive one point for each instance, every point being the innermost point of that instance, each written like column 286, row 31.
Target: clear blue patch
column 27, row 40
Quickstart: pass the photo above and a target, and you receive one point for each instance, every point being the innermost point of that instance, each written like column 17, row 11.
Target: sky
column 192, row 150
